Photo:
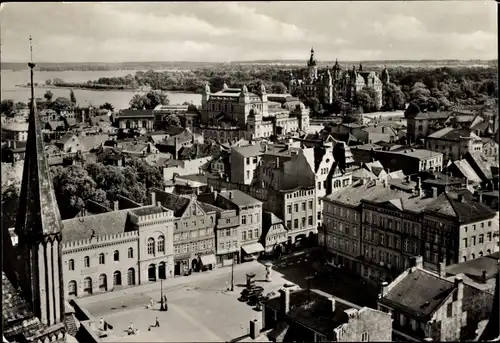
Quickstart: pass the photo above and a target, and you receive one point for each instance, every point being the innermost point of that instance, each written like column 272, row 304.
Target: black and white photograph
column 280, row 171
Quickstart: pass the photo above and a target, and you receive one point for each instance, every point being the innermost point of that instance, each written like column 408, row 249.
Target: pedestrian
column 165, row 299
column 151, row 301
column 227, row 286
column 101, row 324
column 157, row 324
column 131, row 328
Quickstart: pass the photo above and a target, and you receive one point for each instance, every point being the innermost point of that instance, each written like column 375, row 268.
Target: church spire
column 38, row 226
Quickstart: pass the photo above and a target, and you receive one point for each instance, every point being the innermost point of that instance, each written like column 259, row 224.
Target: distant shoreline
column 102, row 89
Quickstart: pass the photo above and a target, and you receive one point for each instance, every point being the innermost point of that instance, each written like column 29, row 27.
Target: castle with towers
column 335, row 83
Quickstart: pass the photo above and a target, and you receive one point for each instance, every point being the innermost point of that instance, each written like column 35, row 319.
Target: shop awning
column 253, row 248
column 208, row 260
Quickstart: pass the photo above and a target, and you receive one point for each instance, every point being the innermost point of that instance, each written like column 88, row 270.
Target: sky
column 241, row 31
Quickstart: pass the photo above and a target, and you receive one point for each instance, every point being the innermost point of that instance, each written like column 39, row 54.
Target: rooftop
column 467, row 171
column 135, row 113
column 452, row 134
column 358, row 191
column 80, row 228
column 239, row 198
column 474, row 268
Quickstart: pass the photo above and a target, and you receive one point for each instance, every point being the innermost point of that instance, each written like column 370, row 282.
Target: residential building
column 379, row 133
column 422, row 124
column 409, row 160
column 490, row 149
column 313, row 316
column 244, row 163
column 246, row 228
column 274, row 233
column 136, row 119
column 194, row 231
column 117, row 249
column 173, row 143
column 15, row 131
column 453, row 143
column 296, row 207
column 426, row 306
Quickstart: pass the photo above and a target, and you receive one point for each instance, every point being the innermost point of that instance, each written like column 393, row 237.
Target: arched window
column 117, row 278
column 175, row 226
column 72, row 288
column 480, row 254
column 130, row 253
column 103, row 282
column 116, row 255
column 161, row 244
column 87, row 285
column 131, row 276
column 488, row 251
column 144, row 124
column 86, row 261
column 151, row 246
column 473, row 256
column 101, row 258
column 71, row 264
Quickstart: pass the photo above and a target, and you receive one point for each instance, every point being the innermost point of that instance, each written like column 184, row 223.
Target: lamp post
column 162, row 307
column 232, row 275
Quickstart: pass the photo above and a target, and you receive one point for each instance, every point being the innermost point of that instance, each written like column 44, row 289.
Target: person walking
column 157, row 324
column 151, row 301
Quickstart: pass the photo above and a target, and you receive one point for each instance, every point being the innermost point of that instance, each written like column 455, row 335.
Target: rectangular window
column 296, row 207
column 310, row 204
column 289, row 224
column 481, row 238
column 243, row 220
column 248, row 174
column 310, row 220
column 489, row 236
column 243, row 235
column 289, row 208
column 295, row 223
column 319, row 215
column 256, row 233
column 449, row 310
column 250, row 219
column 250, row 235
column 304, row 206
column 221, row 245
column 257, row 219
column 319, row 185
column 473, row 243
column 465, row 242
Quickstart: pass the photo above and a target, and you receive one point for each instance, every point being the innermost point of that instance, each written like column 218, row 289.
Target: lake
column 119, row 99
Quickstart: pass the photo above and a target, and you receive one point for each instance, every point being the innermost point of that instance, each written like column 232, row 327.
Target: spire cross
column 31, row 64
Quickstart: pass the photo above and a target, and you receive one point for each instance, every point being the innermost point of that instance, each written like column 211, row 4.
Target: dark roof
column 460, row 205
column 420, row 293
column 93, row 207
column 129, row 113
column 239, row 198
column 80, row 228
column 452, row 134
column 474, row 268
column 480, row 163
column 171, row 201
column 313, row 310
column 147, row 210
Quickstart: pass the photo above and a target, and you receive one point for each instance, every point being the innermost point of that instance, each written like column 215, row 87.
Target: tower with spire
column 39, row 229
column 312, row 65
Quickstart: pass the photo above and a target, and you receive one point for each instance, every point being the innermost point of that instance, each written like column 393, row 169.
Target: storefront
column 208, row 262
column 251, row 251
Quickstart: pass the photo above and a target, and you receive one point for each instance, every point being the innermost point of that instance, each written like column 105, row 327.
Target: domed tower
column 312, row 66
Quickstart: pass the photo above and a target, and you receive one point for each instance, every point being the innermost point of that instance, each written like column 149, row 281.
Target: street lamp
column 232, row 275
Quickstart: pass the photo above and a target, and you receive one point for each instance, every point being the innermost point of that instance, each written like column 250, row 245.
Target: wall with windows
column 478, row 239
column 250, row 228
column 301, row 214
column 227, row 236
column 100, row 264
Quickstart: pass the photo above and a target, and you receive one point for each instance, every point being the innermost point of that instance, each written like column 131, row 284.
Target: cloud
column 216, row 31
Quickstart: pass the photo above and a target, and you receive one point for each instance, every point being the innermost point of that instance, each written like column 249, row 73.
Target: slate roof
column 147, row 210
column 420, row 293
column 452, row 134
column 88, row 143
column 467, row 171
column 480, row 163
column 239, row 198
column 313, row 310
column 249, row 150
column 103, row 224
column 474, row 268
column 468, row 210
column 129, row 113
column 171, row 201
column 16, row 314
column 356, row 192
column 54, row 124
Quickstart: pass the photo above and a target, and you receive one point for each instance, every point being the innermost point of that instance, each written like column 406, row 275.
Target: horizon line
column 265, row 60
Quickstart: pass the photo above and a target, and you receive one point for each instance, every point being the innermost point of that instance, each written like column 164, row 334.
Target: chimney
column 442, row 269
column 152, row 198
column 284, row 300
column 459, row 283
column 214, row 193
column 176, row 148
column 418, row 262
column 484, row 276
column 116, row 205
column 384, row 289
column 332, row 302
column 434, row 192
column 419, row 185
column 255, row 328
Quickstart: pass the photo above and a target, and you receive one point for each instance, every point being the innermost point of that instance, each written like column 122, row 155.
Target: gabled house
column 426, row 306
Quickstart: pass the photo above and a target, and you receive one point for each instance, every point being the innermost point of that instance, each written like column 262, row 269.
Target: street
column 199, row 311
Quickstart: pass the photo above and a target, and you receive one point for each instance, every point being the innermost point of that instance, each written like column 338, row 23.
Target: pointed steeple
column 39, row 228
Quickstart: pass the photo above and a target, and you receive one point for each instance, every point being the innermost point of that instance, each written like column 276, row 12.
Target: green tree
column 107, row 106
column 172, row 120
column 7, row 107
column 392, row 97
column 73, row 188
column 149, row 175
column 315, row 105
column 279, row 88
column 149, row 100
column 48, row 96
column 61, row 104
column 72, row 97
